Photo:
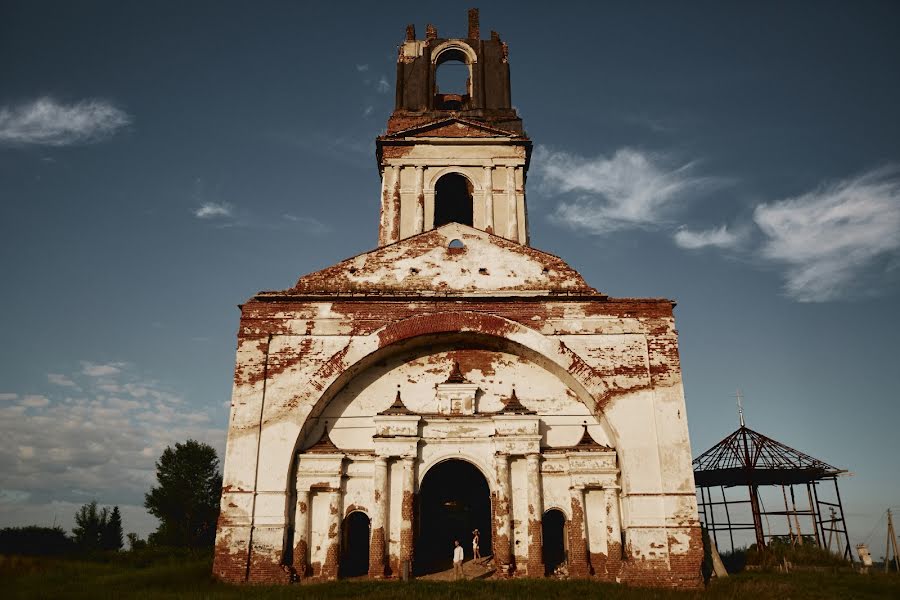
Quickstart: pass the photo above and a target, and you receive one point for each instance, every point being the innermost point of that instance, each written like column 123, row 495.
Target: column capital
column 381, row 461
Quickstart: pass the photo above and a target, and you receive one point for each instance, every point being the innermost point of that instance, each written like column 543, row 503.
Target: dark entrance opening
column 454, row 500
column 452, row 200
column 553, row 536
column 355, row 545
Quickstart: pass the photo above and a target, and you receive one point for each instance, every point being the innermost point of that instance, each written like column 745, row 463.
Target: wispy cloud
column 383, row 86
column 362, row 68
column 61, row 380
column 101, row 370
column 830, row 237
column 630, row 189
column 309, row 225
column 719, row 237
column 213, row 210
column 50, row 123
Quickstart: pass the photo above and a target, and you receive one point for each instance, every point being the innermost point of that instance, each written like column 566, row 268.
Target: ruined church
column 454, row 378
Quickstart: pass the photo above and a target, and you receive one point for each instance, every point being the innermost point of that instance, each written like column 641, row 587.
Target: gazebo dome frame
column 749, row 459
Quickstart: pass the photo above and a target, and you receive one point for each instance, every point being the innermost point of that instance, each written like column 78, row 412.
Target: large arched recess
column 478, row 330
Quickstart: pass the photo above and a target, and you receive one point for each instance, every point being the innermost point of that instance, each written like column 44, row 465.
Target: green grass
column 188, row 576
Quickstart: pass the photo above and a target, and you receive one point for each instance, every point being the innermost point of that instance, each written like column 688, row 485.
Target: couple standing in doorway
column 458, row 554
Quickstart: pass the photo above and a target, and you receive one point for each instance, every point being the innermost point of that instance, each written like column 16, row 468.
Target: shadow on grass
column 185, row 577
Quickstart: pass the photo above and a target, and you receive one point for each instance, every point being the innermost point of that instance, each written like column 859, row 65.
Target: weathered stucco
column 457, row 343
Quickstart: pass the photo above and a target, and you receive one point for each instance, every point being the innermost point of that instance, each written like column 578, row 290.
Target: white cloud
column 100, row 370
column 34, row 401
column 368, row 110
column 50, row 123
column 830, row 237
column 719, row 237
column 362, row 68
column 383, row 86
column 8, row 396
column 59, row 452
column 631, row 189
column 213, row 210
column 61, row 380
column 308, row 224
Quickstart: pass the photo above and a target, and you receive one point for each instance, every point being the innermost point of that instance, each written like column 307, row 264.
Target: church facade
column 455, row 378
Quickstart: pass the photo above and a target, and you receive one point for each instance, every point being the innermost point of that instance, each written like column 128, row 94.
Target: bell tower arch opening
column 454, row 501
column 453, row 78
column 453, row 200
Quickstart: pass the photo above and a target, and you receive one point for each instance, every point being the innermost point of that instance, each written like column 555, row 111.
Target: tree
column 111, row 534
column 98, row 528
column 135, row 542
column 186, row 501
column 89, row 526
column 35, row 540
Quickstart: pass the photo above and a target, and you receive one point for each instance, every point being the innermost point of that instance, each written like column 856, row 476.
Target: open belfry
column 455, row 378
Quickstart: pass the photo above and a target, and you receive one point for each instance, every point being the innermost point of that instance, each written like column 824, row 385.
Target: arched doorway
column 454, row 500
column 452, row 200
column 553, row 536
column 355, row 545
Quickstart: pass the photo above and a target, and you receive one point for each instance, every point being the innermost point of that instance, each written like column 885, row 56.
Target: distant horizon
column 160, row 164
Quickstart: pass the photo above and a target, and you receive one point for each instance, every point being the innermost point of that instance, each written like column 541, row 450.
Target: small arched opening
column 553, row 537
column 355, row 545
column 453, row 200
column 454, row 501
column 452, row 80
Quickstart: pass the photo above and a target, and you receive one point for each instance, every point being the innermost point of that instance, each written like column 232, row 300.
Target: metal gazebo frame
column 747, row 458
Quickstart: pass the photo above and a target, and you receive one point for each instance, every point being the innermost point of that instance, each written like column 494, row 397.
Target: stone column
column 406, row 512
column 301, row 533
column 390, row 207
column 420, row 200
column 521, row 212
column 613, row 530
column 333, row 551
column 535, row 515
column 512, row 222
column 503, row 516
column 488, row 199
column 379, row 519
column 579, row 555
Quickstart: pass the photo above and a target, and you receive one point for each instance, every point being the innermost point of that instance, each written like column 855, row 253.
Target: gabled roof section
column 426, row 265
column 747, row 457
column 456, row 375
column 454, row 127
column 512, row 406
column 324, row 445
column 397, row 408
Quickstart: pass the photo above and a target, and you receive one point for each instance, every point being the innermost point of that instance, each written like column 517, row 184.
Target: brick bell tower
column 455, row 155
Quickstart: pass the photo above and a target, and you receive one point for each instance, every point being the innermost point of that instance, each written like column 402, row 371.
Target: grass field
column 189, row 577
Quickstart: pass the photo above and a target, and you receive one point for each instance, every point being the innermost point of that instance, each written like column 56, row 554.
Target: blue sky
column 161, row 162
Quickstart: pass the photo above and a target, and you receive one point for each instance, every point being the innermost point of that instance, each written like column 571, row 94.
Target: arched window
column 452, row 200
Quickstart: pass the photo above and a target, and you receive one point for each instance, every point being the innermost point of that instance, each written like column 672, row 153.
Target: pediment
column 453, row 127
column 426, row 264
